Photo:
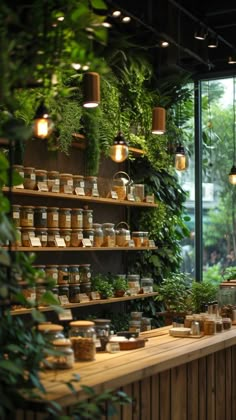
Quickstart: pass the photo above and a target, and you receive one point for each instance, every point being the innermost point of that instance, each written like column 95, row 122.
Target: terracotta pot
column 119, row 293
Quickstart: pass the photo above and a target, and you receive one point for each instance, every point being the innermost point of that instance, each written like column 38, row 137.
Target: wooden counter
column 169, row 379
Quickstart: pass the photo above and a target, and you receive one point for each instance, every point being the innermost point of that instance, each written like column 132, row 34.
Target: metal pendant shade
column 158, row 120
column 91, row 90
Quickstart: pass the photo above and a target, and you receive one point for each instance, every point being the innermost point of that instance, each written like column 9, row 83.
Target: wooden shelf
column 101, row 200
column 25, row 311
column 78, row 249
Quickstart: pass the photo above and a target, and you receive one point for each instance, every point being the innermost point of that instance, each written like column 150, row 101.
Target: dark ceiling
column 177, row 21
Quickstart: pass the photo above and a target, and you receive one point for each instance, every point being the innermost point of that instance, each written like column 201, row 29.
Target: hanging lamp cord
column 234, row 120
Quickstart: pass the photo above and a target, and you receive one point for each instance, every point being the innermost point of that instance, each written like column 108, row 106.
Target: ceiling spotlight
column 164, row 44
column 76, row 66
column 201, row 33
column 61, row 18
column 212, row 41
column 126, row 19
column 91, row 91
column 116, row 13
column 106, row 24
column 232, row 59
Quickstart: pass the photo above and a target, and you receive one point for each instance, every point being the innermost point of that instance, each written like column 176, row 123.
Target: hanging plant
column 91, row 120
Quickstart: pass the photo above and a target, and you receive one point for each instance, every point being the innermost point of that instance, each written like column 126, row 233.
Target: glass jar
column 74, row 292
column 122, row 234
column 16, row 214
column 227, row 323
column 188, row 321
column 78, row 184
column 53, row 233
column 85, row 273
column 219, row 325
column 52, row 332
column 102, row 328
column 18, row 238
column 87, row 219
column 136, row 315
column 145, row 239
column 19, row 169
column 63, row 290
column 139, row 192
column 27, row 216
column 65, row 218
column 120, row 184
column 91, row 186
column 74, row 274
column 41, row 179
column 209, row 326
column 66, row 235
column 133, row 281
column 147, row 284
column 63, row 274
column 135, row 326
column 66, row 183
column 55, row 292
column 98, row 235
column 146, row 324
column 76, row 237
column 29, row 178
column 64, row 360
column 138, row 239
column 53, row 181
column 26, row 234
column 40, row 217
column 76, row 218
column 40, row 291
column 52, row 271
column 86, row 288
column 52, row 217
column 42, row 234
column 89, row 234
column 109, row 235
column 83, row 338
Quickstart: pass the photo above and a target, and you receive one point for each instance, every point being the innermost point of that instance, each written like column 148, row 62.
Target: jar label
column 55, row 276
column 30, row 216
column 82, row 184
column 16, row 215
column 79, row 191
column 57, row 181
column 95, row 192
column 60, row 241
column 127, row 237
column 33, row 177
column 88, row 275
column 55, row 217
column 55, row 188
column 67, row 189
column 42, row 186
column 35, row 241
column 68, row 218
column 43, row 238
column 80, row 235
column 67, row 238
column 44, row 215
column 91, row 238
column 90, row 220
column 70, row 182
column 79, row 217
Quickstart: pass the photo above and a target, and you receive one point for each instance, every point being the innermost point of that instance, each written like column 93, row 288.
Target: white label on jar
column 90, row 220
column 60, row 241
column 68, row 189
column 86, row 242
column 130, row 197
column 35, row 241
column 44, row 215
column 42, row 186
column 55, row 276
column 98, row 342
column 55, row 188
column 79, row 217
column 114, row 195
column 147, row 289
column 21, row 174
column 80, row 235
column 68, row 218
column 43, row 238
column 82, row 184
column 131, row 243
column 127, row 236
column 77, row 277
column 83, row 297
column 16, row 215
column 95, row 192
column 67, row 238
column 91, row 238
column 57, row 181
column 79, row 191
column 55, row 217
column 30, row 216
column 32, row 176
column 88, row 275
column 70, row 182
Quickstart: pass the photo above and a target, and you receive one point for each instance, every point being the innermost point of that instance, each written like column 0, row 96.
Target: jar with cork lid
column 66, row 183
column 83, row 337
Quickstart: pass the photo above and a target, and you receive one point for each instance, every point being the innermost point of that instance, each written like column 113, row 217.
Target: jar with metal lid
column 102, row 328
column 65, row 217
column 109, row 235
column 77, row 218
column 135, row 326
column 138, row 239
column 51, row 332
column 53, row 233
column 42, row 234
column 76, row 237
column 52, row 271
column 133, row 280
column 78, row 184
column 227, row 323
column 66, row 235
column 147, row 284
column 64, row 355
column 91, row 186
column 122, row 234
column 63, row 274
column 74, row 292
column 52, row 217
column 53, row 181
column 219, row 325
column 85, row 273
column 89, row 234
column 41, row 179
column 29, row 178
column 63, row 290
column 83, row 337
column 145, row 239
column 16, row 214
column 98, row 235
column 87, row 219
column 146, row 324
column 74, row 274
column 27, row 216
column 209, row 326
column 66, row 183
column 26, row 234
column 86, row 288
column 40, row 217
column 120, row 183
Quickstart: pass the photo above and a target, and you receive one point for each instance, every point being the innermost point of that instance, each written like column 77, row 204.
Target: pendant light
column 91, row 90
column 232, row 174
column 181, row 158
column 119, row 150
column 42, row 122
column 158, row 120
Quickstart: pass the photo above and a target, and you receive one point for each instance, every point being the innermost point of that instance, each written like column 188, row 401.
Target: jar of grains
column 76, row 218
column 27, row 216
column 87, row 219
column 89, row 234
column 98, row 235
column 16, row 214
column 26, row 234
column 29, row 178
column 122, row 234
column 53, row 233
column 86, row 288
column 66, row 235
column 64, row 218
column 138, row 239
column 64, row 355
column 102, row 327
column 52, row 332
column 19, row 169
column 76, row 237
column 40, row 217
column 74, row 274
column 18, row 240
column 83, row 338
column 41, row 179
column 91, row 186
column 209, row 326
column 109, row 235
column 63, row 274
column 85, row 273
column 53, row 181
column 66, row 183
column 52, row 217
column 42, row 234
column 78, row 184
column 52, row 272
column 145, row 238
column 74, row 292
column 63, row 290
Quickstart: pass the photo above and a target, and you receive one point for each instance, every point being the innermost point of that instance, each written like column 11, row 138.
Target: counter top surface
column 108, row 371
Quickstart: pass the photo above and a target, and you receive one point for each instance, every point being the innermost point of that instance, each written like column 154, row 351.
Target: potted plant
column 120, row 286
column 203, row 293
column 101, row 284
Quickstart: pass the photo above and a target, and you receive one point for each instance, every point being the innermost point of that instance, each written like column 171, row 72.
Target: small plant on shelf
column 101, row 284
column 175, row 293
column 120, row 286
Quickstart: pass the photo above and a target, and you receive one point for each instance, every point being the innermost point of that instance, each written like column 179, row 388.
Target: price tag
column 95, row 192
column 131, row 244
column 83, row 297
column 60, row 242
column 42, row 186
column 55, row 188
column 65, row 315
column 150, row 198
column 134, row 291
column 151, row 243
column 68, row 189
column 114, row 195
column 19, row 186
column 86, row 242
column 79, row 191
column 130, row 197
column 95, row 295
column 35, row 241
column 63, row 300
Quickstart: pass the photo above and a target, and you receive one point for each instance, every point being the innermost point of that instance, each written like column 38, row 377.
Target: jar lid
column 16, row 205
column 50, row 327
column 88, row 210
column 85, row 265
column 53, row 230
column 65, row 229
column 76, row 209
column 42, row 229
column 52, row 208
column 91, row 177
column 40, row 171
column 65, row 208
column 40, row 207
column 81, row 324
column 138, row 233
column 102, row 321
column 51, row 266
column 27, row 207
column 108, row 225
column 97, row 225
column 78, row 176
column 53, row 173
column 29, row 168
column 62, row 175
column 62, row 342
column 28, row 228
column 18, row 166
column 63, row 266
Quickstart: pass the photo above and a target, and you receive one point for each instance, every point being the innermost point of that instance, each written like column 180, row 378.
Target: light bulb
column 119, row 151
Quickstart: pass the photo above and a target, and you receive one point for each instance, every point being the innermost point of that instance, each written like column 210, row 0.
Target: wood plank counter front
column 169, row 379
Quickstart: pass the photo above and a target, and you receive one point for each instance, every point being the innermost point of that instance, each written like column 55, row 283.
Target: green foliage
column 91, row 118
column 213, row 274
column 229, row 273
column 101, row 284
column 202, row 293
column 119, row 283
column 175, row 292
